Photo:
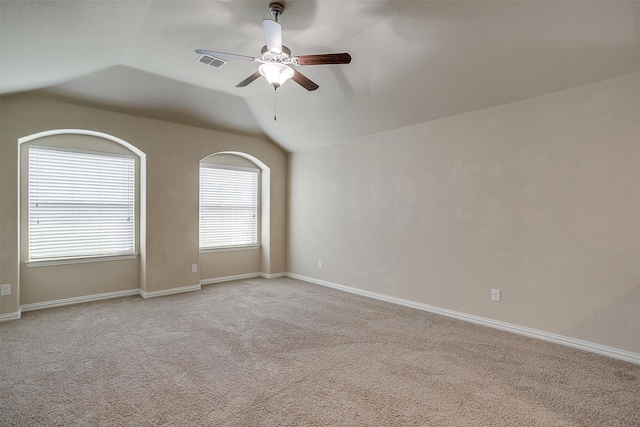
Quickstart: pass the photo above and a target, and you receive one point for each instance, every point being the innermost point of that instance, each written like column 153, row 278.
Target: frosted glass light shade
column 275, row 73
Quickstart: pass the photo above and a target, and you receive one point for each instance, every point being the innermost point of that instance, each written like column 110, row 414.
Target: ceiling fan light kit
column 276, row 58
column 275, row 73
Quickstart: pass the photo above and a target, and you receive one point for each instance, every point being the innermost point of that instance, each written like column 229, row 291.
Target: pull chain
column 275, row 104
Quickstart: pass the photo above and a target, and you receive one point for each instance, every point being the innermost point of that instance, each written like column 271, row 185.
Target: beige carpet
column 283, row 352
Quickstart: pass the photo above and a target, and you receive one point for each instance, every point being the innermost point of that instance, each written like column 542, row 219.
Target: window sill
column 66, row 261
column 230, row 248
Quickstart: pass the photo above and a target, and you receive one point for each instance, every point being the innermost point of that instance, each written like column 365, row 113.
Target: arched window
column 229, row 202
column 82, row 196
column 228, row 206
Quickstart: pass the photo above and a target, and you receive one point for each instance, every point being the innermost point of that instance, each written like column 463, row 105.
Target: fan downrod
column 276, row 8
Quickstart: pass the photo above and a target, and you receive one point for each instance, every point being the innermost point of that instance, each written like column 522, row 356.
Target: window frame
column 240, row 247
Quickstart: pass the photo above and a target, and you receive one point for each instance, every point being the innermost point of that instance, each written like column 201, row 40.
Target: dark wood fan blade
column 303, row 81
column 230, row 56
column 249, row 79
column 322, row 59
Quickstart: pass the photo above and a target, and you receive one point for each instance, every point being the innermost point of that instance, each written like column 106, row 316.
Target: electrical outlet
column 5, row 290
column 194, row 268
column 319, row 263
column 495, row 294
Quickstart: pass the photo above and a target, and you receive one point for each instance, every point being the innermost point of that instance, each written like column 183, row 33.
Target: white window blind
column 228, row 206
column 81, row 204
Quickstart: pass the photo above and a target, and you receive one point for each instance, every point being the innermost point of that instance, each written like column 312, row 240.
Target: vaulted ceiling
column 412, row 61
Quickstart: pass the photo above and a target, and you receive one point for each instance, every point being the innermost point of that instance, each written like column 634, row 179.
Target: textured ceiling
column 413, row 61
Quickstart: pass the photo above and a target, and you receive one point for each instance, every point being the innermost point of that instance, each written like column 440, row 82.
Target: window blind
column 228, row 207
column 81, row 204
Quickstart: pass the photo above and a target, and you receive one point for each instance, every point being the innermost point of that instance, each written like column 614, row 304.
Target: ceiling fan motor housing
column 268, row 56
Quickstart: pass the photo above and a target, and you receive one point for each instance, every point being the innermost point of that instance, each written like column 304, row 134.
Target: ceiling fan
column 276, row 58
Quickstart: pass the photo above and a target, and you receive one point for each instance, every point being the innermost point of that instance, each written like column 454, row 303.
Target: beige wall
column 539, row 198
column 173, row 156
column 229, row 263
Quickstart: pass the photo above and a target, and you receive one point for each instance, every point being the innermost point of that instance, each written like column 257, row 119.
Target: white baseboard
column 229, row 278
column 274, row 275
column 615, row 353
column 171, row 291
column 10, row 316
column 77, row 300
column 241, row 277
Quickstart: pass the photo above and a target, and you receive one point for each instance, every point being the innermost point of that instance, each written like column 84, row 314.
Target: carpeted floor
column 283, row 352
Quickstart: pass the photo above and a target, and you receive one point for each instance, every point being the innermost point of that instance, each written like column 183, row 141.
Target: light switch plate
column 5, row 290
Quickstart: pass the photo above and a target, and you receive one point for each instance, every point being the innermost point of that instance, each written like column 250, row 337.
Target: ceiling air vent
column 211, row 60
